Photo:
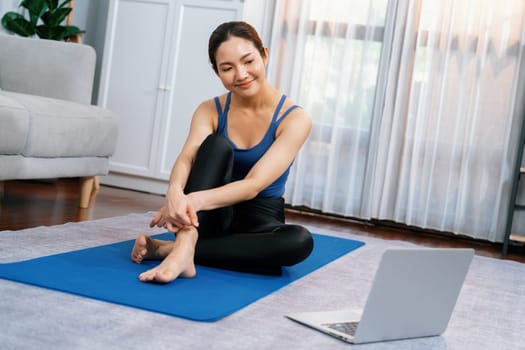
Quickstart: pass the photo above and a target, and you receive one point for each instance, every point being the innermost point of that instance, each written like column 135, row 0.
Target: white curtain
column 417, row 108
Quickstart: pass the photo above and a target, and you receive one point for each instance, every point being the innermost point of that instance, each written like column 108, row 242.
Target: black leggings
column 248, row 236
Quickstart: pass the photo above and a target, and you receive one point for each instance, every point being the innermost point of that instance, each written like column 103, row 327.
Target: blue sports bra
column 244, row 159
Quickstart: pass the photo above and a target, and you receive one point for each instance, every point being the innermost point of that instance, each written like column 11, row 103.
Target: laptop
column 413, row 295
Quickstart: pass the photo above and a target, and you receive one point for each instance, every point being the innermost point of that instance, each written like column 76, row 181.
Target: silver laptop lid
column 413, row 294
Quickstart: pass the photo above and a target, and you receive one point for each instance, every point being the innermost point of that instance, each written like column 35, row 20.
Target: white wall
column 91, row 16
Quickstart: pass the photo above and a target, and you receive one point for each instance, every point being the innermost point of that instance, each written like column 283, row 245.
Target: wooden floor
column 25, row 204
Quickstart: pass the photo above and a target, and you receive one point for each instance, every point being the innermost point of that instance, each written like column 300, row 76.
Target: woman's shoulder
column 207, row 111
column 290, row 107
column 288, row 102
column 203, row 112
column 293, row 119
column 210, row 105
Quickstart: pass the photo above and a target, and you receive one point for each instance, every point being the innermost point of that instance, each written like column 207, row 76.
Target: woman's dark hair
column 225, row 31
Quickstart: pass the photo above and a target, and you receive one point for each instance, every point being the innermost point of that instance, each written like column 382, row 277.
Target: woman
column 225, row 195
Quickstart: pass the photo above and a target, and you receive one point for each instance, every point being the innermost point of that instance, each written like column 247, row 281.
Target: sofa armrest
column 47, row 68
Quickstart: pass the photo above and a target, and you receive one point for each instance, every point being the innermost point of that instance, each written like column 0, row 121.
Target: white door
column 135, row 62
column 155, row 72
column 192, row 79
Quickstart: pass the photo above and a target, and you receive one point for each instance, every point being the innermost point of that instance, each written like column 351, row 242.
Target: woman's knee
column 212, row 166
column 216, row 147
column 299, row 242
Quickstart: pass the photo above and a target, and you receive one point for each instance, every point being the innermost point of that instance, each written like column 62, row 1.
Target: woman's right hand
column 178, row 212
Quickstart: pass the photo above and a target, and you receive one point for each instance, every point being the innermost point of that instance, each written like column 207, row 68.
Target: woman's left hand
column 163, row 219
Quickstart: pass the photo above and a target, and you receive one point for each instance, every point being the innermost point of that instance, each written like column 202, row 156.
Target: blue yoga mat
column 107, row 273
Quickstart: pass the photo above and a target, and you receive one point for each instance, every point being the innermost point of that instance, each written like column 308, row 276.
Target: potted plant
column 45, row 20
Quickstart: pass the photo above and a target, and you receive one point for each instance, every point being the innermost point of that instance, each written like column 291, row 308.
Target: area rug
column 106, row 273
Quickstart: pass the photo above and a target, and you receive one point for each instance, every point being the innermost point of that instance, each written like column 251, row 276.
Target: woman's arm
column 290, row 136
column 179, row 211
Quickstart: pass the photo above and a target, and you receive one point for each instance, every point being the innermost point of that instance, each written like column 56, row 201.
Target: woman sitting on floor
column 225, row 196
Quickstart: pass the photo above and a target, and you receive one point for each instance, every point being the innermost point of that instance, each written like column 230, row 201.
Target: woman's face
column 240, row 66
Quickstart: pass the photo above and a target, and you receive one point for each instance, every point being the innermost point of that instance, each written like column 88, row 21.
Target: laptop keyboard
column 343, row 327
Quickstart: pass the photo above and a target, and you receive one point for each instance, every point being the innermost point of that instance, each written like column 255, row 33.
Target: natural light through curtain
column 452, row 142
column 416, row 112
column 328, row 59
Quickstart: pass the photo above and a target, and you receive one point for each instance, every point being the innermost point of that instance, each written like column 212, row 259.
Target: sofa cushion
column 60, row 128
column 48, row 68
column 19, row 167
column 14, row 125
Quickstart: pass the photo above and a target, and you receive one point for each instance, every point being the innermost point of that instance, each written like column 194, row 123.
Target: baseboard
column 133, row 182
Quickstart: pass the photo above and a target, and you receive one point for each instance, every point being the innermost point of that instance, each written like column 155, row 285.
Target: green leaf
column 58, row 32
column 52, row 4
column 49, row 32
column 65, row 3
column 55, row 17
column 16, row 23
column 51, row 13
column 70, row 31
column 10, row 16
column 35, row 8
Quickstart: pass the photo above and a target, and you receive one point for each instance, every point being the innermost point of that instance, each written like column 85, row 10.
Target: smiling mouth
column 245, row 85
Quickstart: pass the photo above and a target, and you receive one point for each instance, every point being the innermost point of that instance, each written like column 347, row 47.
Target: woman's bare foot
column 146, row 248
column 179, row 261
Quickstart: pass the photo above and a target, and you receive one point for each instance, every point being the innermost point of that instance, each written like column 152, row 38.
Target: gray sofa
column 48, row 127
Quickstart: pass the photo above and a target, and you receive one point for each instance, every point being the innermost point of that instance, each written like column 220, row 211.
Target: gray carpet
column 490, row 313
